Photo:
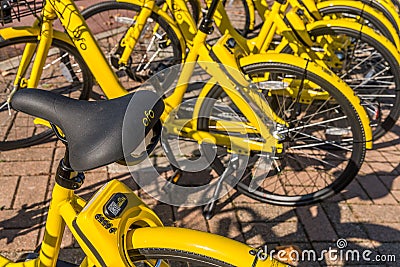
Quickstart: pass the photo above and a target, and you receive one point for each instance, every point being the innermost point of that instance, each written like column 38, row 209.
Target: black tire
column 323, row 140
column 174, row 257
column 358, row 16
column 381, row 8
column 109, row 22
column 369, row 68
column 65, row 72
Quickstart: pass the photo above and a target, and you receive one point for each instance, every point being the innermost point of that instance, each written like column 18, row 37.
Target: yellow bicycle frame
column 382, row 10
column 82, row 38
column 137, row 227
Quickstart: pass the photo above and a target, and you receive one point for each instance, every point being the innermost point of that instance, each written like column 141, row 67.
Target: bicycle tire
column 175, row 258
column 379, row 63
column 109, row 22
column 298, row 177
column 382, row 8
column 183, row 246
column 18, row 130
column 358, row 15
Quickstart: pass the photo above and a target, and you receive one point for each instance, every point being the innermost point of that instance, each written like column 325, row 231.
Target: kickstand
column 208, row 210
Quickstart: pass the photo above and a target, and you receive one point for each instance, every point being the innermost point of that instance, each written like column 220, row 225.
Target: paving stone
column 388, row 252
column 31, row 217
column 31, row 168
column 389, row 232
column 72, row 255
column 376, row 213
column 345, row 253
column 31, row 191
column 376, row 190
column 316, row 223
column 27, row 154
column 225, row 223
column 342, row 220
column 17, row 240
column 261, row 212
column 380, row 166
column 257, row 234
column 392, row 182
column 165, row 213
column 354, row 193
column 8, row 185
column 190, row 218
column 396, row 195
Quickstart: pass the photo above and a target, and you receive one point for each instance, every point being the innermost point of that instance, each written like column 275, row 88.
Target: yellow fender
column 386, row 7
column 15, row 32
column 354, row 26
column 218, row 247
column 357, row 5
column 323, row 73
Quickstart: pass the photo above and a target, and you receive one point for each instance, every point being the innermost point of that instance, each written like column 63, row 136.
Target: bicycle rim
column 370, row 69
column 155, row 50
column 323, row 140
column 64, row 72
column 357, row 15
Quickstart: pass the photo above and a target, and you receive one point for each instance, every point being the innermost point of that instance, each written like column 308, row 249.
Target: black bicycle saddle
column 94, row 129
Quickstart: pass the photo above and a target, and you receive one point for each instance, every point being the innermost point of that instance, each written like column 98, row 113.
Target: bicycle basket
column 16, row 9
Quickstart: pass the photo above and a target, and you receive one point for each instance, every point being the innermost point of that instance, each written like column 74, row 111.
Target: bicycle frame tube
column 234, row 85
column 81, row 36
column 133, row 33
column 261, row 43
column 182, row 23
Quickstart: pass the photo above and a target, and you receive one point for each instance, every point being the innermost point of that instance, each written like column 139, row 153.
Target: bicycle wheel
column 147, row 249
column 171, row 257
column 359, row 16
column 368, row 67
column 155, row 50
column 384, row 8
column 64, row 72
column 322, row 136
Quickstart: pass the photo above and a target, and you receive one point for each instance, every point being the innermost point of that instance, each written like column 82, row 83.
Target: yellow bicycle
column 115, row 227
column 380, row 15
column 365, row 60
column 322, row 129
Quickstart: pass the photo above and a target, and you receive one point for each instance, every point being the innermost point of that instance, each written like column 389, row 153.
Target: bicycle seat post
column 66, row 176
column 206, row 23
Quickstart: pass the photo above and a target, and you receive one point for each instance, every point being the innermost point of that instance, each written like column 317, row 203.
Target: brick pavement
column 365, row 214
